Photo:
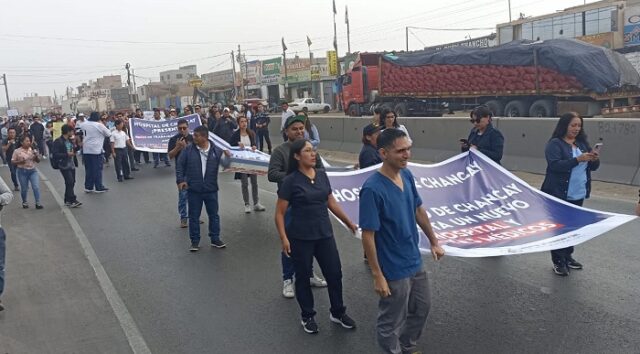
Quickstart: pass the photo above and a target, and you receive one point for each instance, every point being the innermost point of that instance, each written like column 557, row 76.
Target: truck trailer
column 517, row 79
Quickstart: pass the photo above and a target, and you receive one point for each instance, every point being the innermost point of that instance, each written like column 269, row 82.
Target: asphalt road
column 229, row 300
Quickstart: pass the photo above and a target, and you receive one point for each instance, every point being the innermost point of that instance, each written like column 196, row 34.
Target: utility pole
column 510, row 9
column 128, row 67
column 284, row 63
column 406, row 36
column 6, row 89
column 243, row 69
column 335, row 39
column 346, row 20
column 135, row 88
column 233, row 63
column 310, row 67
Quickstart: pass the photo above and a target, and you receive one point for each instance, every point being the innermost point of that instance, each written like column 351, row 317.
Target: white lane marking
column 128, row 325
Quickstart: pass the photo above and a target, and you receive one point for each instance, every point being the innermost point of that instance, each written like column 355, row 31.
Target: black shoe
column 75, row 204
column 344, row 320
column 102, row 190
column 39, row 206
column 194, row 247
column 120, row 179
column 135, row 169
column 573, row 264
column 309, row 325
column 25, row 206
column 128, row 177
column 561, row 269
column 218, row 244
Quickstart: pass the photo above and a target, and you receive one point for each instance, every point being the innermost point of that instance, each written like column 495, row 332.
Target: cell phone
column 597, row 147
column 464, row 141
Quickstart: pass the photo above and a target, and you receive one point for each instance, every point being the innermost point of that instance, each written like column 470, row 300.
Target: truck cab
column 358, row 84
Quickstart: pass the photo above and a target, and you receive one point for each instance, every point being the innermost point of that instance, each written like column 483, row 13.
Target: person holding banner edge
column 390, row 207
column 484, row 137
column 245, row 138
column 197, row 173
column 570, row 161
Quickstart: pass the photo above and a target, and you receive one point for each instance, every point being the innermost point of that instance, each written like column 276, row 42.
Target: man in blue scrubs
column 390, row 207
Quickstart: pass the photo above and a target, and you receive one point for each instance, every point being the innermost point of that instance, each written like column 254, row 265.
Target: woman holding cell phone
column 570, row 161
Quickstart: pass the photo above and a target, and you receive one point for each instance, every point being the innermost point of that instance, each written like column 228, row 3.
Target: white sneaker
column 287, row 289
column 247, row 208
column 259, row 207
column 317, row 282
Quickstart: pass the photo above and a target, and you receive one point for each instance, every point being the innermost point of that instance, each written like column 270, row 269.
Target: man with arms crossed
column 390, row 207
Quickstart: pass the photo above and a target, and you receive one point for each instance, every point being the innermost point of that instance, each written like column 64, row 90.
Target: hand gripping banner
column 479, row 209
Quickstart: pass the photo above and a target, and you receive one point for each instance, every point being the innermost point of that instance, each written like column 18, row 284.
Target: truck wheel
column 401, row 110
column 516, row 108
column 353, row 110
column 496, row 107
column 542, row 108
column 326, row 109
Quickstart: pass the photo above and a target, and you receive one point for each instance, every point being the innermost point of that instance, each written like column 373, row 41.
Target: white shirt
column 245, row 140
column 204, row 156
column 286, row 114
column 94, row 134
column 119, row 139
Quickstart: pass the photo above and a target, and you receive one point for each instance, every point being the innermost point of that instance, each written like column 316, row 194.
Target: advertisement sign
column 479, row 209
column 632, row 26
column 12, row 112
column 271, row 71
column 252, row 72
column 600, row 39
column 298, row 70
column 154, row 135
column 332, row 59
column 219, row 79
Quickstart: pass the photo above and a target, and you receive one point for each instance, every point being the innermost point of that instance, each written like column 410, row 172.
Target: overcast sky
column 49, row 45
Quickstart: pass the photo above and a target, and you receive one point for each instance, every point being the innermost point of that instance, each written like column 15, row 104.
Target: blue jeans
column 93, row 171
column 195, row 201
column 3, row 241
column 182, row 204
column 157, row 156
column 26, row 176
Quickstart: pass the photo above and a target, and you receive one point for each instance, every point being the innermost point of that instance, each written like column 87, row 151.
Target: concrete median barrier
column 436, row 139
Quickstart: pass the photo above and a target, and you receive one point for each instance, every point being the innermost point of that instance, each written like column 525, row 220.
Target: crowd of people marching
column 390, row 206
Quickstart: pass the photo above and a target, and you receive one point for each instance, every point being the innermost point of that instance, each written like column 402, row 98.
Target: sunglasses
column 183, row 128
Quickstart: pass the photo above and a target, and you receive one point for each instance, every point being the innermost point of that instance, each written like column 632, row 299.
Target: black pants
column 69, row 182
column 145, row 155
column 562, row 256
column 122, row 163
column 14, row 177
column 263, row 134
column 326, row 253
column 131, row 157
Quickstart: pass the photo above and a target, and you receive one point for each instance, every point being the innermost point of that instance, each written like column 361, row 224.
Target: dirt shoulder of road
column 598, row 189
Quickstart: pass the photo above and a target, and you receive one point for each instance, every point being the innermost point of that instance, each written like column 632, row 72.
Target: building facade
column 179, row 76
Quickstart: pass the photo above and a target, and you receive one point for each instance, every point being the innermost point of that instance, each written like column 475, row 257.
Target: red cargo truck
column 542, row 79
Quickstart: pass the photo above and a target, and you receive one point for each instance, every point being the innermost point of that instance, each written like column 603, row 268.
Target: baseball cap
column 294, row 119
column 226, row 109
column 370, row 129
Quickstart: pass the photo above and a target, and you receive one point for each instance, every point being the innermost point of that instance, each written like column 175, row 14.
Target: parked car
column 309, row 105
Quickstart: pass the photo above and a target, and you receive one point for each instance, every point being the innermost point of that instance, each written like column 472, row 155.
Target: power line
column 118, row 41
